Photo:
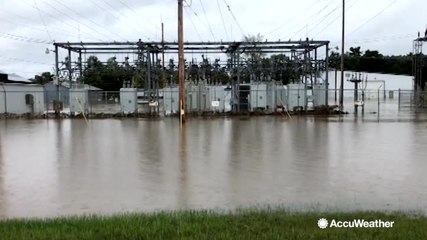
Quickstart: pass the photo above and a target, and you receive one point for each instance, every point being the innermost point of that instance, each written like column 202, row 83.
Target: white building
column 18, row 96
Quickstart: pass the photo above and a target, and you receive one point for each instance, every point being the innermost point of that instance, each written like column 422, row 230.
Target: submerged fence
column 214, row 99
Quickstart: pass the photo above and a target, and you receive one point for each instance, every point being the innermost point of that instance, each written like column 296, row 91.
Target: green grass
column 250, row 224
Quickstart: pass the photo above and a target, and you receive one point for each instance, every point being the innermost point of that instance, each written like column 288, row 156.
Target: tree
column 355, row 51
column 372, row 54
column 138, row 80
column 93, row 71
column 372, row 61
column 255, row 55
column 43, row 78
column 334, row 60
column 108, row 77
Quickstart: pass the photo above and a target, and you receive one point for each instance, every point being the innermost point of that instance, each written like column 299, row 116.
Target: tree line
column 372, row 61
column 111, row 75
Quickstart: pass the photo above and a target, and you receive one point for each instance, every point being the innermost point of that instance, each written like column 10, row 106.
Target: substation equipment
column 293, row 79
column 419, row 64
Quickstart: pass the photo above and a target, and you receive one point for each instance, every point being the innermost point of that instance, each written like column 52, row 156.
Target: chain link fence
column 211, row 99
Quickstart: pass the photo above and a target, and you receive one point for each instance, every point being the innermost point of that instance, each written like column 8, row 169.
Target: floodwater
column 392, row 82
column 52, row 168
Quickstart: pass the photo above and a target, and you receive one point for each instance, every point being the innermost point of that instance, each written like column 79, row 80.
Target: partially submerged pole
column 341, row 105
column 58, row 87
column 181, row 67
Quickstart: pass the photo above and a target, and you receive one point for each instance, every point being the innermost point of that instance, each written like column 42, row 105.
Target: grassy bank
column 207, row 225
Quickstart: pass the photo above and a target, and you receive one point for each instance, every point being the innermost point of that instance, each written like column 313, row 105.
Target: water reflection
column 183, row 193
column 3, row 206
column 28, row 179
column 110, row 166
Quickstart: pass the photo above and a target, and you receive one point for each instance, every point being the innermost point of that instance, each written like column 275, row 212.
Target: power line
column 131, row 9
column 15, row 71
column 384, row 38
column 336, row 18
column 32, row 27
column 82, row 16
column 324, row 18
column 375, row 16
column 23, row 39
column 207, row 20
column 125, row 17
column 303, row 23
column 67, row 15
column 197, row 15
column 294, row 17
column 194, row 25
column 222, row 19
column 42, row 19
column 56, row 18
column 379, row 39
column 23, row 60
column 314, row 18
column 234, row 18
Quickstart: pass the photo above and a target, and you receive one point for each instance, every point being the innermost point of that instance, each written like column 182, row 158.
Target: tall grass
column 256, row 224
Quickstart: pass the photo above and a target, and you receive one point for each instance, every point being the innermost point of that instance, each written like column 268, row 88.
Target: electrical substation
column 419, row 71
column 419, row 64
column 237, row 77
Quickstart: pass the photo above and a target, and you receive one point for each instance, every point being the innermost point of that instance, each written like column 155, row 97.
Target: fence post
column 416, row 100
column 385, row 92
column 378, row 102
column 256, row 96
column 398, row 99
column 46, row 104
column 89, row 103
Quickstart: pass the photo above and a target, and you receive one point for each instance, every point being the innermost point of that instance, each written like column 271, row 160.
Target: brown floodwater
column 52, row 168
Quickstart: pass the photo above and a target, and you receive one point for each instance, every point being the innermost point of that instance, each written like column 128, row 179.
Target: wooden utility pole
column 163, row 77
column 163, row 46
column 181, row 67
column 341, row 105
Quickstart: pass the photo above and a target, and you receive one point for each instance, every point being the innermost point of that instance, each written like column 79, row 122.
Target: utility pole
column 58, row 86
column 181, row 67
column 163, row 46
column 341, row 105
column 163, row 77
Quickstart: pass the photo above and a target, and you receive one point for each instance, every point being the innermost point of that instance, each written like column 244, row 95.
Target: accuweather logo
column 322, row 223
column 356, row 223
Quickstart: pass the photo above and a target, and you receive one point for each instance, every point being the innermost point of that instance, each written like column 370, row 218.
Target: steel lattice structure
column 301, row 56
column 419, row 64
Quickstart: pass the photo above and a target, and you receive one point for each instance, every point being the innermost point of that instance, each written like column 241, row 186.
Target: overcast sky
column 28, row 27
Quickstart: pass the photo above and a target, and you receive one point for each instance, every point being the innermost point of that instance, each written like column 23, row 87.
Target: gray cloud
column 386, row 25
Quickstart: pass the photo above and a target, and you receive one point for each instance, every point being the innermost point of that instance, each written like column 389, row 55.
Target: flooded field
column 50, row 168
